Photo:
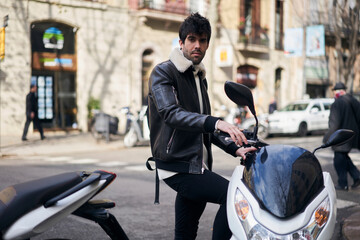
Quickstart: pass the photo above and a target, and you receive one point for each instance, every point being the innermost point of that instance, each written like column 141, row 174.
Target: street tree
column 345, row 23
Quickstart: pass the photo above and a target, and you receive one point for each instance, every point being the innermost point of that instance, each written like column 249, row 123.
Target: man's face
column 194, row 47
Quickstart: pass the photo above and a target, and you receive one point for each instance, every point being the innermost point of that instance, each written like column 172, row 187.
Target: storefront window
column 53, row 71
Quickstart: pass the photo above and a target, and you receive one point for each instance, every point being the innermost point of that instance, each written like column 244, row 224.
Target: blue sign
column 293, row 42
column 315, row 41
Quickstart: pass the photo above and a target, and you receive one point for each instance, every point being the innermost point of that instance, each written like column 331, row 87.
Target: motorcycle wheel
column 130, row 138
column 263, row 131
column 302, row 132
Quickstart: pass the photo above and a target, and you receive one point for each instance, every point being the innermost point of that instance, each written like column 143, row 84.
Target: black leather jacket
column 178, row 131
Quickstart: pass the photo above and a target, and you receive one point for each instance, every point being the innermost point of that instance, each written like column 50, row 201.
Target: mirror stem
column 256, row 128
column 322, row 146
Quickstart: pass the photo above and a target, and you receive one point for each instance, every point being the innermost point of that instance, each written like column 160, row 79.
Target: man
column 31, row 113
column 182, row 130
column 344, row 114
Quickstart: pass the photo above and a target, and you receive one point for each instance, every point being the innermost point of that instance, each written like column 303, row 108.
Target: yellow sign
column 2, row 43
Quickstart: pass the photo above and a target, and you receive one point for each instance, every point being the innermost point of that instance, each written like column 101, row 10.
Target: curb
column 56, row 144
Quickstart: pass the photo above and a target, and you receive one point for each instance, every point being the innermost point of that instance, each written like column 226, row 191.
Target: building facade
column 72, row 50
column 78, row 50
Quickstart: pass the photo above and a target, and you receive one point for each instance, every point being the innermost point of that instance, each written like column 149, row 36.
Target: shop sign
column 54, row 62
column 2, row 43
column 53, row 38
column 247, row 75
column 224, row 56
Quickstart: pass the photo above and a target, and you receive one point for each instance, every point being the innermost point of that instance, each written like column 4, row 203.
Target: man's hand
column 235, row 133
column 32, row 115
column 242, row 151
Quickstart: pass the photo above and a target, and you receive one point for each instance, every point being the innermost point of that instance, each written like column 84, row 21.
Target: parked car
column 301, row 117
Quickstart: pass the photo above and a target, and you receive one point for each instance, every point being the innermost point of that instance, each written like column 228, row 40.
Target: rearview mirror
column 340, row 136
column 241, row 95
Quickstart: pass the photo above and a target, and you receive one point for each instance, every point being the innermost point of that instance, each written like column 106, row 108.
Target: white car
column 301, row 117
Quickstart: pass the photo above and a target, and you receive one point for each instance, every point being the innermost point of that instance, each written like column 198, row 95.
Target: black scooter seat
column 19, row 199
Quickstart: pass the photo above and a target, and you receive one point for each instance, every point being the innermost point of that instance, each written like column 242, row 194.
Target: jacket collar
column 182, row 64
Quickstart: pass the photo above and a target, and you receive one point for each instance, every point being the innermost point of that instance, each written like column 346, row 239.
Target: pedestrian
column 344, row 114
column 182, row 130
column 272, row 106
column 32, row 113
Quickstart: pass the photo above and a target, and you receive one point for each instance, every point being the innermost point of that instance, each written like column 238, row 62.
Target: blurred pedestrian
column 32, row 113
column 344, row 114
column 272, row 106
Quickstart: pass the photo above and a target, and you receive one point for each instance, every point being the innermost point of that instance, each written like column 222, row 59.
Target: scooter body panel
column 268, row 220
column 40, row 219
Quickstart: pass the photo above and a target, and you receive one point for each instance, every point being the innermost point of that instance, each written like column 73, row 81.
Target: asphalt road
column 133, row 190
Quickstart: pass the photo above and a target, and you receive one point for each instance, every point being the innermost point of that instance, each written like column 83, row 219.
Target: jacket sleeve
column 223, row 141
column 164, row 94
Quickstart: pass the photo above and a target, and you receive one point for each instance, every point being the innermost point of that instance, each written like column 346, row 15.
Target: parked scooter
column 281, row 191
column 139, row 130
column 31, row 208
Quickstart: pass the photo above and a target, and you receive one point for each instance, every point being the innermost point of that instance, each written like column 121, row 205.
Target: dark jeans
column 37, row 124
column 193, row 192
column 343, row 164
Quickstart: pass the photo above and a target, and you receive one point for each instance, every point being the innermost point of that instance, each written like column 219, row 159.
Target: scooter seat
column 18, row 199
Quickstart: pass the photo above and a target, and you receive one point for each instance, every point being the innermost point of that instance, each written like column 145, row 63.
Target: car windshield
column 295, row 107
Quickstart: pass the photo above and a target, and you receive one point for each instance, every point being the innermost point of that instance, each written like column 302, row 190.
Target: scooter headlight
column 256, row 231
column 241, row 205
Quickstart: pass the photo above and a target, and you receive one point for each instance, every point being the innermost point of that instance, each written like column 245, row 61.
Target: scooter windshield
column 284, row 179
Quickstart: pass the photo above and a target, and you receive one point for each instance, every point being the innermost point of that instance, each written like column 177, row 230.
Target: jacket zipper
column 170, row 142
column 176, row 98
column 173, row 133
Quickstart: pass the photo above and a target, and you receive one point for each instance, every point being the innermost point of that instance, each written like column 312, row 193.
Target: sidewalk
column 60, row 142
column 54, row 143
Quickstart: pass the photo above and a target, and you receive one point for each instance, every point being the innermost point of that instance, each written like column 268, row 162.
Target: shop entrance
column 54, row 73
column 56, row 99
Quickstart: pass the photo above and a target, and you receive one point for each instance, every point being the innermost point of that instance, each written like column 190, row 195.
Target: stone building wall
column 101, row 48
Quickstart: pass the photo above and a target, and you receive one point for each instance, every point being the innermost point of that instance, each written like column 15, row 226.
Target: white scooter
column 139, row 131
column 31, row 208
column 281, row 192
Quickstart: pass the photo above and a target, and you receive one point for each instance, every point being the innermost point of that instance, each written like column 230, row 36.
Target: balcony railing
column 171, row 7
column 248, row 40
column 255, row 35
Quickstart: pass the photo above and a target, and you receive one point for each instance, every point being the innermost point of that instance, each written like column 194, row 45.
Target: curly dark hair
column 197, row 24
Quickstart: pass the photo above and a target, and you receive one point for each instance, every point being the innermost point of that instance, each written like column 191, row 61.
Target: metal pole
column 0, row 109
column 5, row 24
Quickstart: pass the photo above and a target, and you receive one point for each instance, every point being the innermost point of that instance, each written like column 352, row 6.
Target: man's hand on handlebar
column 235, row 133
column 241, row 152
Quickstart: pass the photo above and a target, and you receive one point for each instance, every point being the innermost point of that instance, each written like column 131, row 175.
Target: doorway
column 54, row 72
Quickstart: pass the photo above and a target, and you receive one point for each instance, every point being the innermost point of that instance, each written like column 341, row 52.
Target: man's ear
column 181, row 44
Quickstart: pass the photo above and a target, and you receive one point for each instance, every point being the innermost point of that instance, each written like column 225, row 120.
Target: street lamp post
column 2, row 56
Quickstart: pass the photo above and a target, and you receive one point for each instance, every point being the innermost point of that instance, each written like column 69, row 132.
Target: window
column 279, row 29
column 250, row 29
column 327, row 106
